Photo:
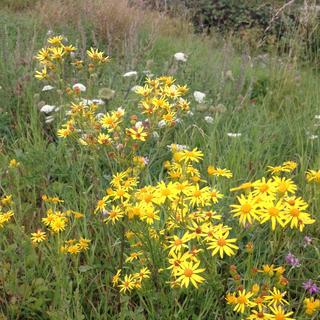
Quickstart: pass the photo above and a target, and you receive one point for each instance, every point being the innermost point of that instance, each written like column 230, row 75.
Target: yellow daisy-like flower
column 189, row 272
column 212, row 171
column 38, row 236
column 222, row 245
column 137, row 133
column 278, row 313
column 246, row 210
column 276, row 297
column 194, row 155
column 243, row 301
column 127, row 284
column 313, row 176
column 273, row 212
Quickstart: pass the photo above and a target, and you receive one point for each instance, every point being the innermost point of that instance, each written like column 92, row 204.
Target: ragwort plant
column 171, row 235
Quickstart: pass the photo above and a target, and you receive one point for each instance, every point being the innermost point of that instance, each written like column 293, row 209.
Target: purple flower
column 292, row 260
column 310, row 286
column 307, row 241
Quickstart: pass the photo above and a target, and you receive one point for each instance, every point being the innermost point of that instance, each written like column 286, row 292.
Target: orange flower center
column 221, row 242
column 273, row 211
column 245, row 208
column 295, row 212
column 188, row 272
column 197, row 193
column 178, row 242
column 242, row 300
column 263, row 188
column 282, row 187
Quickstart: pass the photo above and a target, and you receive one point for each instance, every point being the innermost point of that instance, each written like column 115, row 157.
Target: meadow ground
column 112, row 209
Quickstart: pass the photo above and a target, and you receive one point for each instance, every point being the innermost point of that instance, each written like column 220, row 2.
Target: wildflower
column 246, row 210
column 311, row 305
column 84, row 244
column 234, row 135
column 276, row 297
column 278, row 313
column 313, row 176
column 43, row 74
column 243, row 186
column 116, row 278
column 208, row 119
column 56, row 41
column 284, row 185
column 47, row 88
column 243, row 301
column 177, row 243
column 311, row 287
column 221, row 244
column 273, row 212
column 134, row 256
column 38, row 236
column 58, row 224
column 199, row 96
column 188, row 272
column 292, row 260
column 127, row 284
column 257, row 315
column 307, row 240
column 13, row 163
column 180, row 56
column 219, row 172
column 137, row 133
column 191, row 155
column 130, row 74
column 47, row 108
column 79, row 87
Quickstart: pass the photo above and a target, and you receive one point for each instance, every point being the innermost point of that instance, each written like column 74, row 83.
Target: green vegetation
column 261, row 109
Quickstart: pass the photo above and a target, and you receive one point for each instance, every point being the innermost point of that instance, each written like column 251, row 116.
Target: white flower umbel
column 162, row 123
column 199, row 96
column 47, row 88
column 47, row 108
column 130, row 74
column 234, row 135
column 136, row 88
column 178, row 147
column 317, row 116
column 208, row 119
column 88, row 102
column 49, row 119
column 180, row 56
column 80, row 87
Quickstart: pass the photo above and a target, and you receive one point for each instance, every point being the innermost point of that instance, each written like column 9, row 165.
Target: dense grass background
column 270, row 96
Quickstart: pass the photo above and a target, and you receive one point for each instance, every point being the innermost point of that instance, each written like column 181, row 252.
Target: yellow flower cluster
column 272, row 200
column 263, row 299
column 54, row 57
column 313, row 176
column 56, row 221
column 176, row 215
column 311, row 305
column 6, row 212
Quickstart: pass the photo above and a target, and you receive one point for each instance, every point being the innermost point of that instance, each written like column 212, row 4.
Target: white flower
column 135, row 88
column 49, row 119
column 79, row 86
column 139, row 124
column 317, row 116
column 47, row 108
column 208, row 119
column 56, row 109
column 234, row 135
column 99, row 115
column 178, row 147
column 199, row 96
column 178, row 120
column 130, row 74
column 148, row 73
column 47, row 88
column 162, row 123
column 88, row 102
column 180, row 56
column 156, row 135
column 190, row 113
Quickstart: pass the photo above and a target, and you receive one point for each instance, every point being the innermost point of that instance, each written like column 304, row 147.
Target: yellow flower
column 43, row 74
column 311, row 305
column 243, row 186
column 313, row 176
column 137, row 133
column 14, row 163
column 114, row 214
column 56, row 41
column 284, row 185
column 273, row 212
column 221, row 244
column 278, row 313
column 194, row 155
column 212, row 171
column 243, row 301
column 58, row 224
column 127, row 284
column 149, row 214
column 188, row 272
column 276, row 297
column 5, row 217
column 134, row 256
column 246, row 210
column 38, row 236
column 176, row 244
column 116, row 278
column 84, row 244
